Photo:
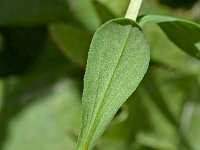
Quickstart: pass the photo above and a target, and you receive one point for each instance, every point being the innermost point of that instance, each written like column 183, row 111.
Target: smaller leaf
column 117, row 7
column 104, row 13
column 117, row 61
column 85, row 12
column 72, row 41
column 165, row 53
column 185, row 34
column 154, row 19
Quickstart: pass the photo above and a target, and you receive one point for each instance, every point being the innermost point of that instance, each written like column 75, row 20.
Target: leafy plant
column 140, row 91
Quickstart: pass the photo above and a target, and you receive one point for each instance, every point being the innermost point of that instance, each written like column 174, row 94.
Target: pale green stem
column 133, row 9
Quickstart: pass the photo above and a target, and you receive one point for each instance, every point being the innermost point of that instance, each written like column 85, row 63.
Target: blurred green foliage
column 43, row 51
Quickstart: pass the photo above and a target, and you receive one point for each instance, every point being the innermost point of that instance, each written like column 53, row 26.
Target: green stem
column 133, row 9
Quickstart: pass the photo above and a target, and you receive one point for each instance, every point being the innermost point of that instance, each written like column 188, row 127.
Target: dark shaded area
column 179, row 3
column 33, row 12
column 21, row 48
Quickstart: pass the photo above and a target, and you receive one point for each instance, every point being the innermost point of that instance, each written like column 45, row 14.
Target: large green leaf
column 185, row 34
column 118, row 59
column 72, row 41
column 32, row 12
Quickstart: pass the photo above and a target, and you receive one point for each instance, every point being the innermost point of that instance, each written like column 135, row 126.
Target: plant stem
column 133, row 9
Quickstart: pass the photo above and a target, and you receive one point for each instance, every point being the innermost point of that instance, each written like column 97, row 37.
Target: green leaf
column 188, row 37
column 153, row 123
column 117, row 7
column 104, row 13
column 134, row 109
column 185, row 34
column 154, row 19
column 193, row 123
column 72, row 41
column 32, row 12
column 85, row 12
column 189, row 120
column 153, row 90
column 118, row 59
column 165, row 53
column 50, row 122
column 149, row 141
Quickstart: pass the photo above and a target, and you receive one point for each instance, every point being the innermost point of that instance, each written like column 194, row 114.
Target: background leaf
column 31, row 88
column 47, row 122
column 104, row 13
column 85, row 12
column 72, row 41
column 32, row 12
column 164, row 53
column 117, row 7
column 185, row 31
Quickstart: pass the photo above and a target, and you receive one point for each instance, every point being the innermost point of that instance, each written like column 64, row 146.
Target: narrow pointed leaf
column 117, row 61
column 185, row 34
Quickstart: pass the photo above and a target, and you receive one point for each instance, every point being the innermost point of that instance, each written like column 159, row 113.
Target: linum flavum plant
column 142, row 80
column 118, row 59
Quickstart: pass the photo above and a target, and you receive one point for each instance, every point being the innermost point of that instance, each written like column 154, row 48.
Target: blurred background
column 43, row 52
